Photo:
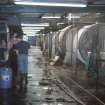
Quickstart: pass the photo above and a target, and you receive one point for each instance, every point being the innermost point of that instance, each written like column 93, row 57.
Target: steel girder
column 10, row 9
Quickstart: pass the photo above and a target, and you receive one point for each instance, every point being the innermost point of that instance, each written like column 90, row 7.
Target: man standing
column 22, row 47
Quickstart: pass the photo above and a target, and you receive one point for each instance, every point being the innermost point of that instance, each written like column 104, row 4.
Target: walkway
column 41, row 89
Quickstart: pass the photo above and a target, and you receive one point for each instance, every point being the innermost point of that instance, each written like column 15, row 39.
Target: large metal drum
column 85, row 37
column 55, row 43
column 5, row 78
column 69, row 58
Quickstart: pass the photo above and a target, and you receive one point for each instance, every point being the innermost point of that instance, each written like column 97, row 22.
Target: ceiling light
column 40, row 24
column 45, row 88
column 56, row 17
column 32, row 28
column 52, row 4
column 18, row 0
column 60, row 104
column 30, row 33
column 73, row 17
column 60, row 23
column 70, row 16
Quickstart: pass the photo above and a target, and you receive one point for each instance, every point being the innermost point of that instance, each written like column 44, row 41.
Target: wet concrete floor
column 41, row 89
column 83, row 87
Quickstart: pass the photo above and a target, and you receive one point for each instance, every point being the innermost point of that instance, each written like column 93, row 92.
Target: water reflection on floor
column 41, row 90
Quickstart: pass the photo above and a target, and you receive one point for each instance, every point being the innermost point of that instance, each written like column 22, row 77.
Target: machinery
column 5, row 72
column 84, row 44
column 4, row 37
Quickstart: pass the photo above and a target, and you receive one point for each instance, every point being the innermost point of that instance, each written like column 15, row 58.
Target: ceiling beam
column 10, row 9
column 29, row 9
column 33, row 20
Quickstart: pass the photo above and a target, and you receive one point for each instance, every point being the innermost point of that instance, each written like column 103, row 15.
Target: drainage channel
column 87, row 97
column 51, row 95
column 51, row 91
column 67, row 91
column 61, row 87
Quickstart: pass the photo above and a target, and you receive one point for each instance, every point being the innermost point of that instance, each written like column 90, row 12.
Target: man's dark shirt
column 22, row 47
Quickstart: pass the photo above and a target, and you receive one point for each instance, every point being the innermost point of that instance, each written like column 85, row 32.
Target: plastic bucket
column 5, row 78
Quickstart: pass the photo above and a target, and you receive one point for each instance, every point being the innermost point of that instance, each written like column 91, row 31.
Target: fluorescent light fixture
column 31, row 34
column 70, row 16
column 17, row 0
column 32, row 28
column 45, row 88
column 59, row 23
column 52, row 4
column 50, row 17
column 73, row 17
column 60, row 104
column 44, row 104
column 32, row 25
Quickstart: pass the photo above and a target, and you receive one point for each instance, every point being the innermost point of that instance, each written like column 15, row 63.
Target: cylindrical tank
column 45, row 44
column 83, row 40
column 69, row 54
column 5, row 78
column 62, row 40
column 76, row 41
column 55, row 37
